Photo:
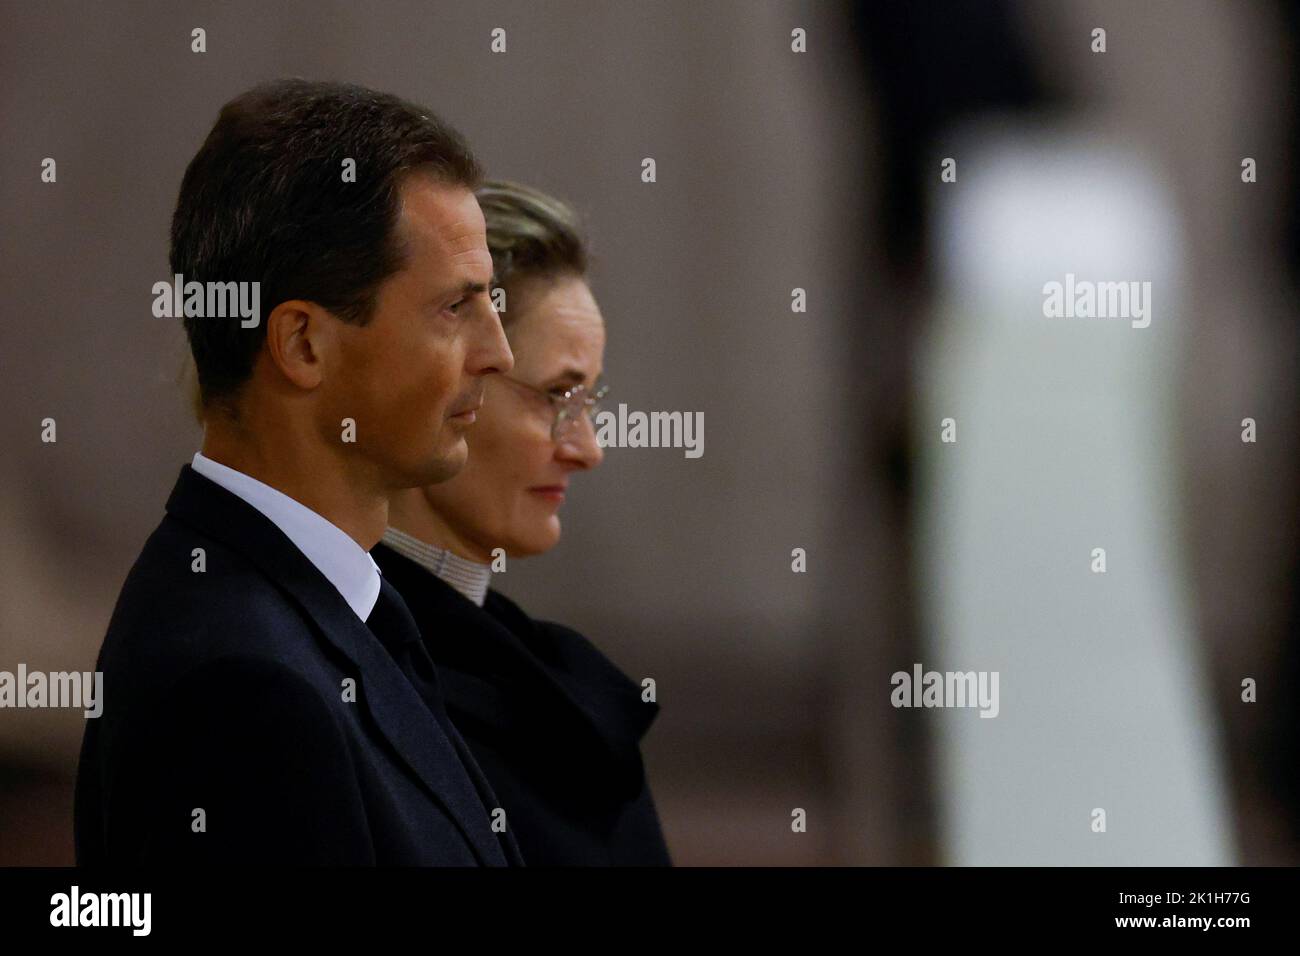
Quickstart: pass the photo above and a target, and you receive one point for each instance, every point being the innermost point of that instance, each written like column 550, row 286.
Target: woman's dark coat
column 553, row 724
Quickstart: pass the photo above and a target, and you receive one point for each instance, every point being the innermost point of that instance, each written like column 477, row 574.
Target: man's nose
column 491, row 352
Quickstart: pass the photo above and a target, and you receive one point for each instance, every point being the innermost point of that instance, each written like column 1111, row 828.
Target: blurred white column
column 1065, row 443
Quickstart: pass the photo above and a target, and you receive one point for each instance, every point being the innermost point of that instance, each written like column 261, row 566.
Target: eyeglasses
column 569, row 405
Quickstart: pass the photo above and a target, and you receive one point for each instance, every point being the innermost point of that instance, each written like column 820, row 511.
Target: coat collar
column 398, row 710
column 535, row 682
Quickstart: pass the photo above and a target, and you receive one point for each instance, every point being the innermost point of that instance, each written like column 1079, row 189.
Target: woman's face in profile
column 510, row 491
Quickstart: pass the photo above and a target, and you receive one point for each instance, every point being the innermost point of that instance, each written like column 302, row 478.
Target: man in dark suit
column 267, row 697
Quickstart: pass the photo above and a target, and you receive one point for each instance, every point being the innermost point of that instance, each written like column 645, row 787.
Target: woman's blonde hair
column 529, row 234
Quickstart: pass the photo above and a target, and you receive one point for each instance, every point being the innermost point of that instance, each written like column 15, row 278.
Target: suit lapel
column 509, row 845
column 410, row 726
column 398, row 710
column 574, row 704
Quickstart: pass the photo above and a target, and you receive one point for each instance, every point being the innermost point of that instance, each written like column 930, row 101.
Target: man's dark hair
column 265, row 200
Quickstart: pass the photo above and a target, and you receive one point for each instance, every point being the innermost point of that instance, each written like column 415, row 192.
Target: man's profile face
column 411, row 377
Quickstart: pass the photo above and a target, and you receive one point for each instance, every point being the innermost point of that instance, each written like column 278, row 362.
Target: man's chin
column 444, row 464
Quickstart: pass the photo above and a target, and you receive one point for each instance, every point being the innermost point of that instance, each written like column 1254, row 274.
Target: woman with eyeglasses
column 553, row 724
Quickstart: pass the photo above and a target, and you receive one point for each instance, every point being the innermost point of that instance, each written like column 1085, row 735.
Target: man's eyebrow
column 466, row 288
column 469, row 287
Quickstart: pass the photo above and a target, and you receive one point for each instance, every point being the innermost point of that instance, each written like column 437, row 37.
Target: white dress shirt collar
column 344, row 563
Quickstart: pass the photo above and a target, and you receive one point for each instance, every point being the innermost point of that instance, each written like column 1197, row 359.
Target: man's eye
column 455, row 309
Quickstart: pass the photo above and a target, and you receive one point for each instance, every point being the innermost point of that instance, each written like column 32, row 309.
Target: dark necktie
column 392, row 622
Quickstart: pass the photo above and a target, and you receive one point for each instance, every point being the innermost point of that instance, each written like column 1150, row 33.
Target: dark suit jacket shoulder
column 251, row 717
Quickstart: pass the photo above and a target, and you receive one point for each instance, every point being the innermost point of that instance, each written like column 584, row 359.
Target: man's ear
column 299, row 336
